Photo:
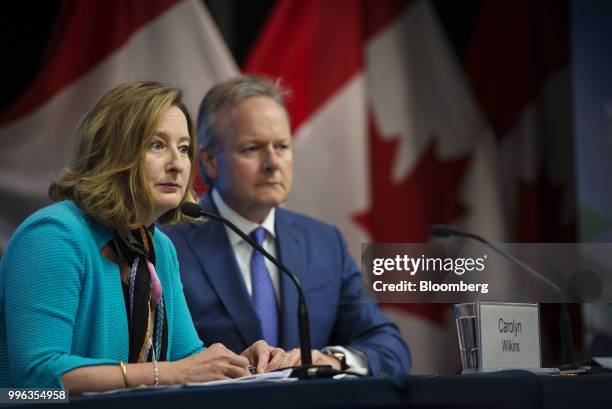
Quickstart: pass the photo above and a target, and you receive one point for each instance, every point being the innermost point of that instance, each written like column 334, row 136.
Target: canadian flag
column 95, row 46
column 390, row 136
column 518, row 66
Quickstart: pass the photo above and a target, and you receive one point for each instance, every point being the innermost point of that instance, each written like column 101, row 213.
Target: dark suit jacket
column 340, row 312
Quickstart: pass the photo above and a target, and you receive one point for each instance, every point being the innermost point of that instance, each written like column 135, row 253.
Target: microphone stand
column 307, row 370
column 565, row 323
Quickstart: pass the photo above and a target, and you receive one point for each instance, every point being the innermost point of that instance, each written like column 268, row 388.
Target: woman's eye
column 184, row 149
column 156, row 145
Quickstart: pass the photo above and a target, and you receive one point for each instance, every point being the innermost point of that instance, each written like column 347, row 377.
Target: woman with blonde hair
column 89, row 288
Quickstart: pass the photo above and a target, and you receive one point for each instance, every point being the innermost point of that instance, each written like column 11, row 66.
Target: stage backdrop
column 96, row 45
column 395, row 132
column 592, row 64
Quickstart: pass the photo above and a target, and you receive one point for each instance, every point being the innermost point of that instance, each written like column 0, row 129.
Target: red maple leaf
column 402, row 212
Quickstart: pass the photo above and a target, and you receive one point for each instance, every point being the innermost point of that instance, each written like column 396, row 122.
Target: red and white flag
column 518, row 66
column 95, row 46
column 390, row 137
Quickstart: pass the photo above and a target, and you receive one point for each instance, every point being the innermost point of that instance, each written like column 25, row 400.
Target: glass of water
column 465, row 315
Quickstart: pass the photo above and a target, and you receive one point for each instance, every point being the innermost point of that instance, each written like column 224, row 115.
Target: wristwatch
column 340, row 356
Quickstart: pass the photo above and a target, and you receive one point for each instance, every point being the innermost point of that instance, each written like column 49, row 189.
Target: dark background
column 25, row 28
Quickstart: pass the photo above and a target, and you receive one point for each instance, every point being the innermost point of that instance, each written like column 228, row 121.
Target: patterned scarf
column 144, row 301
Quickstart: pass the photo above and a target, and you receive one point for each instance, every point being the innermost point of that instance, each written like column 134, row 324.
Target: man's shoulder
column 283, row 216
column 180, row 229
column 303, row 221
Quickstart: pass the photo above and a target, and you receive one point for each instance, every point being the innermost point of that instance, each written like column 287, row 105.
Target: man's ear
column 207, row 160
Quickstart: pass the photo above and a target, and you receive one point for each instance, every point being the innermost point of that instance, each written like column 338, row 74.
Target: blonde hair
column 106, row 178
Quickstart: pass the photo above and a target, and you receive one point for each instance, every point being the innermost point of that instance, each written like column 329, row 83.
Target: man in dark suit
column 234, row 295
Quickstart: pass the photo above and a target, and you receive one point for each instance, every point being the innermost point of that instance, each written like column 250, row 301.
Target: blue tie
column 264, row 297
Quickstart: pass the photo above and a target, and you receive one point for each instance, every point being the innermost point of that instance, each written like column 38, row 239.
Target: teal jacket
column 62, row 304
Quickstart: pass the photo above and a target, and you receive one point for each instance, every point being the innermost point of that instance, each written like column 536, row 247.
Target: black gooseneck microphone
column 307, row 369
column 443, row 231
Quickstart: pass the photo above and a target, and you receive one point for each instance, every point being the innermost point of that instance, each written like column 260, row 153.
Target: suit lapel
column 291, row 249
column 212, row 248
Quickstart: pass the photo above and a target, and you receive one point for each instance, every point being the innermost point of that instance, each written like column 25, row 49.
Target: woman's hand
column 214, row 363
column 265, row 357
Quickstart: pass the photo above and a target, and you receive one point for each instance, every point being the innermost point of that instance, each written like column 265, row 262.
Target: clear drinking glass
column 465, row 315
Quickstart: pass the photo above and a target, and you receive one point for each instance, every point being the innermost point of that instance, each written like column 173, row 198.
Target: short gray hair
column 226, row 95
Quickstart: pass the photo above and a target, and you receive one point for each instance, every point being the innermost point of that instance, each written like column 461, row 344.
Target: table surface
column 507, row 389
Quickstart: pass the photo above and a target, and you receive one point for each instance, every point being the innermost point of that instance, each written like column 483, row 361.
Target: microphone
column 307, row 369
column 441, row 230
column 444, row 231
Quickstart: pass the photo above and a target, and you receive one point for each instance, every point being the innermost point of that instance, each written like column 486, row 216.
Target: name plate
column 509, row 335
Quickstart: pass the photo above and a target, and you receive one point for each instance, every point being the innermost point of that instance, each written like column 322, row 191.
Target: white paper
column 276, row 376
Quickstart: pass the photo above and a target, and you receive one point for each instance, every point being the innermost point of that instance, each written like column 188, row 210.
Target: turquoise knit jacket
column 62, row 304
